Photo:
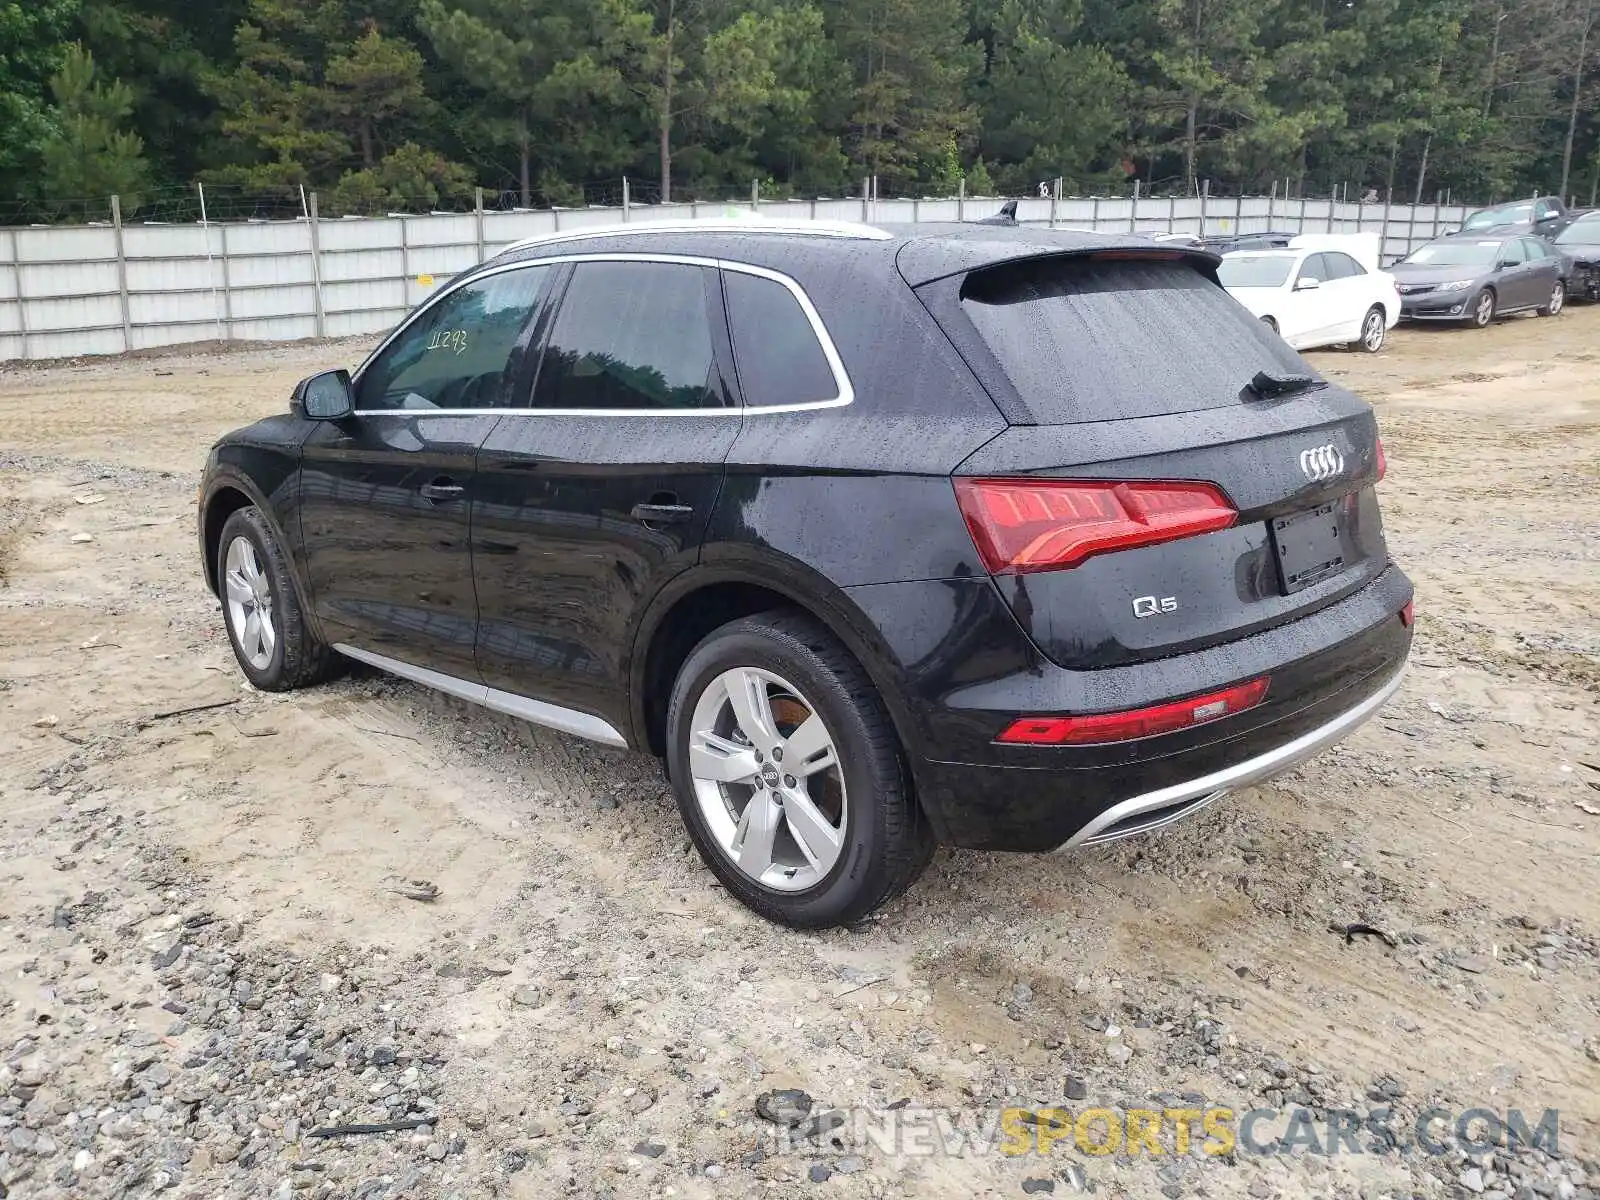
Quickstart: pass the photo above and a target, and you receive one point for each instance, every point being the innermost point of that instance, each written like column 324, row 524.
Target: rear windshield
column 1095, row 339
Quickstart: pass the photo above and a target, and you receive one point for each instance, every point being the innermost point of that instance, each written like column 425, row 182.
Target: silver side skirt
column 552, row 716
column 1173, row 803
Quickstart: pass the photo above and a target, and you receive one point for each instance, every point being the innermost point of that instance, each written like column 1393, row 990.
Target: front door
column 386, row 494
column 1517, row 280
column 598, row 490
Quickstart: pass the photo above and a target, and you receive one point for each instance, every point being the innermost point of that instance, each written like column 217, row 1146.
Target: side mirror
column 1307, row 284
column 1549, row 216
column 1503, row 265
column 325, row 397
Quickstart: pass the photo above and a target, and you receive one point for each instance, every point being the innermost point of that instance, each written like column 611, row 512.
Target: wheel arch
column 705, row 598
column 225, row 494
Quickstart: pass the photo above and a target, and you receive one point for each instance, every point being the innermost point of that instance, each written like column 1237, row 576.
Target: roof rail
column 751, row 224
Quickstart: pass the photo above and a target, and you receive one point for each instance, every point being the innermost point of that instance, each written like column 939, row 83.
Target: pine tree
column 88, row 151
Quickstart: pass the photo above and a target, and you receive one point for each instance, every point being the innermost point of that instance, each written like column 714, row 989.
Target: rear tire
column 1482, row 309
column 1374, row 328
column 273, row 642
column 1558, row 300
column 824, row 838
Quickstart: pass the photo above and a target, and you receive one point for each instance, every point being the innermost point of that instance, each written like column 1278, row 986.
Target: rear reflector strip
column 1021, row 525
column 1135, row 723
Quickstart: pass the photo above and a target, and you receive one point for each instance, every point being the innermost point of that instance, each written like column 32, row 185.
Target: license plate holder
column 1309, row 547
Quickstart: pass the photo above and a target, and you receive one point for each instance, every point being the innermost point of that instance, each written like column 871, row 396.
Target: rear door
column 1348, row 292
column 1122, row 371
column 386, row 494
column 596, row 490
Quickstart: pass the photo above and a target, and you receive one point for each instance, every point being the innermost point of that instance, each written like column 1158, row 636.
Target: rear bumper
column 1329, row 671
column 1158, row 809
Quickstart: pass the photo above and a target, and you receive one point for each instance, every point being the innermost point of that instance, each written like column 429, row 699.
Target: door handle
column 441, row 489
column 662, row 514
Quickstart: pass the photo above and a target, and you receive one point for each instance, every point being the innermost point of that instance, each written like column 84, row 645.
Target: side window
column 1313, row 268
column 779, row 358
column 1343, row 266
column 1511, row 253
column 630, row 335
column 455, row 354
column 1534, row 250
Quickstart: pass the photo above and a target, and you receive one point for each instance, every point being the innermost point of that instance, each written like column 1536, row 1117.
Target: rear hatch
column 1174, row 476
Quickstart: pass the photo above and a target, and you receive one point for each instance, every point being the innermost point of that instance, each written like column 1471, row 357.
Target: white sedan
column 1322, row 291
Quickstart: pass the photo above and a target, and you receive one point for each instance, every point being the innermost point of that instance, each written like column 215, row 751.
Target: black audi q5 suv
column 996, row 537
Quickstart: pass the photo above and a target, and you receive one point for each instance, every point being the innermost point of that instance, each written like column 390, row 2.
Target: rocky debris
column 786, row 1106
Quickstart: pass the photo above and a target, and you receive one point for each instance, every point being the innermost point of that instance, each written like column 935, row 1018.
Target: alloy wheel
column 1372, row 332
column 249, row 600
column 768, row 779
column 1558, row 298
column 1485, row 310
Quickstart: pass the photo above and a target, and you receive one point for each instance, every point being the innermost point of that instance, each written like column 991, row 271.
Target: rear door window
column 629, row 337
column 775, row 347
column 1104, row 338
column 1340, row 265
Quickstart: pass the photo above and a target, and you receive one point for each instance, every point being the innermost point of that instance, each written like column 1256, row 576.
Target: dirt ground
column 202, row 965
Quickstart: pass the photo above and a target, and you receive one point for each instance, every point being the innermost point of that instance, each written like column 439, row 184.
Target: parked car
column 1579, row 242
column 1546, row 216
column 1003, row 538
column 1318, row 293
column 1475, row 278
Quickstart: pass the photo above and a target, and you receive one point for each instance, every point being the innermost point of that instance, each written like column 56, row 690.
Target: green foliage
column 33, row 45
column 88, row 152
column 383, row 104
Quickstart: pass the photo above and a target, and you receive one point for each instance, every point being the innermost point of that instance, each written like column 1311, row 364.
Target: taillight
column 1135, row 723
column 1021, row 525
column 1383, row 461
column 1408, row 613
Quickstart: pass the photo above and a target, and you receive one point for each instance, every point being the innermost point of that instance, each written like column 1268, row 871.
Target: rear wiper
column 1271, row 384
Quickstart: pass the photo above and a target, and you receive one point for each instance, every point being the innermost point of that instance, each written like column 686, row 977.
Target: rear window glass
column 1100, row 339
column 780, row 360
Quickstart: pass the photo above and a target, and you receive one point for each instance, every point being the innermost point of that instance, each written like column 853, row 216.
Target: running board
column 537, row 712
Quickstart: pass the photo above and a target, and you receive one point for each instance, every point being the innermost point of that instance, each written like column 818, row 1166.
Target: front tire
column 789, row 776
column 267, row 628
column 1483, row 307
column 1374, row 328
column 1557, row 301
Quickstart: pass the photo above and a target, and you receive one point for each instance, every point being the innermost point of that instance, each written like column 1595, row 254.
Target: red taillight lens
column 1021, row 525
column 1136, row 723
column 1408, row 613
column 1383, row 461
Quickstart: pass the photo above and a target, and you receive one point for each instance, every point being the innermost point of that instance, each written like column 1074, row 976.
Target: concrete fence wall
column 109, row 289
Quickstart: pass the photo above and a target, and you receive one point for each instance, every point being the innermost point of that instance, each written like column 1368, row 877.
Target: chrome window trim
column 846, row 392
